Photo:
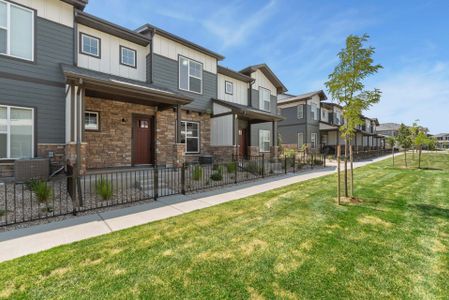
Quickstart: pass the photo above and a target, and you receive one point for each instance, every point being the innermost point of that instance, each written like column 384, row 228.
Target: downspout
column 306, row 124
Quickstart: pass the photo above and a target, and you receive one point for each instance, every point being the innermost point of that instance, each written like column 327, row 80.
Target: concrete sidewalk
column 34, row 239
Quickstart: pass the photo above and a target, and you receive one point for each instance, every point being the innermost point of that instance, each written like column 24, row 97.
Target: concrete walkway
column 34, row 239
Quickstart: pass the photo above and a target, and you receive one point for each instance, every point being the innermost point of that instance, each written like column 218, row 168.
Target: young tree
column 346, row 86
column 419, row 141
column 404, row 139
column 391, row 140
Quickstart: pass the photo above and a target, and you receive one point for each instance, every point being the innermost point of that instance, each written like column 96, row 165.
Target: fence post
column 183, row 179
column 294, row 163
column 263, row 165
column 156, row 183
column 285, row 163
column 236, row 171
column 324, row 160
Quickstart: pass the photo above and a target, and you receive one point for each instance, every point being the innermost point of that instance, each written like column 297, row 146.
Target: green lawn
column 289, row 243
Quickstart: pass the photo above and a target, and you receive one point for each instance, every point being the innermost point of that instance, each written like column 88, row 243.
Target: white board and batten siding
column 109, row 60
column 53, row 10
column 222, row 131
column 262, row 81
column 172, row 49
column 240, row 90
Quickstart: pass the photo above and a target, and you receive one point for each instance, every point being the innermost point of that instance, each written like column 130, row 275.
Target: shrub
column 216, row 176
column 231, row 167
column 104, row 189
column 197, row 173
column 41, row 189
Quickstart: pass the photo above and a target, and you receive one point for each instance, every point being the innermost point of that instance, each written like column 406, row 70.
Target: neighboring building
column 388, row 129
column 302, row 119
column 78, row 88
column 331, row 120
column 442, row 140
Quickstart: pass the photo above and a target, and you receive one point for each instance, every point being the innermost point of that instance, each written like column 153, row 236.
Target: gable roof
column 303, row 97
column 234, row 74
column 111, row 28
column 153, row 30
column 268, row 73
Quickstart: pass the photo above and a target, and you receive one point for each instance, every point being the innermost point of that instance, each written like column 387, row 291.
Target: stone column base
column 253, row 150
column 55, row 152
column 223, row 153
column 180, row 157
column 70, row 155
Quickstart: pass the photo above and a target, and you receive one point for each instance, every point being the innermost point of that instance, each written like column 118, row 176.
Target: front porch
column 239, row 131
column 117, row 123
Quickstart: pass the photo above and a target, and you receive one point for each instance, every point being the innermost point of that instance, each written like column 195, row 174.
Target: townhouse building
column 81, row 90
column 312, row 121
column 388, row 129
column 442, row 140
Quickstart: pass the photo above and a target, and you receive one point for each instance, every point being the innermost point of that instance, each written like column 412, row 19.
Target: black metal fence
column 69, row 194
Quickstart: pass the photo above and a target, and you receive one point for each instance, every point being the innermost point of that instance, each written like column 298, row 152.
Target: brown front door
column 142, row 140
column 243, row 145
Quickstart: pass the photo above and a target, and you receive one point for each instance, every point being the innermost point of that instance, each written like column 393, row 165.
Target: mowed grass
column 290, row 243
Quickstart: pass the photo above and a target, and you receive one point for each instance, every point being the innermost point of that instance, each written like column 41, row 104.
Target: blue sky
column 299, row 40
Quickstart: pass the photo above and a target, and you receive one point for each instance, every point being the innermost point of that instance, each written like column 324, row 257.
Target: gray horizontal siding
column 289, row 134
column 54, row 45
column 255, row 132
column 165, row 73
column 255, row 101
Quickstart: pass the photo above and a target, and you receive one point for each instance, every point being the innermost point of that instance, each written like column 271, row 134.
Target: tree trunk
column 352, row 169
column 346, row 168
column 338, row 172
column 393, row 155
column 405, row 157
column 419, row 157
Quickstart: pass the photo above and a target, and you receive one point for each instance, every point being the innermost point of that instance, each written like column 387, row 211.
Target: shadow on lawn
column 432, row 210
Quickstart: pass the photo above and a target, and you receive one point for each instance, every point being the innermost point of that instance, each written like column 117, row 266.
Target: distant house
column 388, row 129
column 442, row 140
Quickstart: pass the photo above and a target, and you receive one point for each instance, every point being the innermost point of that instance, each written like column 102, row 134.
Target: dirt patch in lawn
column 349, row 200
column 372, row 220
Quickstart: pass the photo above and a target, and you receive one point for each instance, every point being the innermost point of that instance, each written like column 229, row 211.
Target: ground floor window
column 264, row 140
column 190, row 136
column 16, row 132
column 300, row 140
column 313, row 140
column 91, row 120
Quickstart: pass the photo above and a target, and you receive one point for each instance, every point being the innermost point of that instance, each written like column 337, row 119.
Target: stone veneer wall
column 58, row 151
column 111, row 146
column 223, row 153
column 204, row 120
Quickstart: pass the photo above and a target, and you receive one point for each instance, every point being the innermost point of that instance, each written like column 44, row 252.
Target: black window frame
column 81, row 50
column 121, row 57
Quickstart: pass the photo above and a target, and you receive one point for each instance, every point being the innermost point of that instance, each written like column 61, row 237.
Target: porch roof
column 327, row 127
column 114, row 87
column 249, row 112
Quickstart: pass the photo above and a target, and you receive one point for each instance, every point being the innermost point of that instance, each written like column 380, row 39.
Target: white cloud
column 418, row 92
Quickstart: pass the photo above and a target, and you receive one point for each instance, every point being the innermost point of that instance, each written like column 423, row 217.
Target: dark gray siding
column 291, row 126
column 255, row 132
column 289, row 134
column 54, row 45
column 255, row 101
column 165, row 73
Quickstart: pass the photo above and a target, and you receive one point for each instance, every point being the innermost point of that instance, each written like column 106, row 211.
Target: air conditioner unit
column 36, row 168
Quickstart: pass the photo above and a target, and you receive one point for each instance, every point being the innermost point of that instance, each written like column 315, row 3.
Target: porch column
column 179, row 148
column 274, row 148
column 235, row 123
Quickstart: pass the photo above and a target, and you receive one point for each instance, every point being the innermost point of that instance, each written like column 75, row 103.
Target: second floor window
column 90, row 45
column 16, row 31
column 190, row 75
column 229, row 88
column 300, row 111
column 264, row 99
column 128, row 57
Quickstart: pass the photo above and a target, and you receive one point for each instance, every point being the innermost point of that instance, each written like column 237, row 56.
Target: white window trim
column 262, row 101
column 134, row 65
column 188, row 74
column 8, row 31
column 300, row 111
column 261, row 142
column 184, row 125
column 97, row 126
column 300, row 134
column 231, row 85
column 98, row 55
column 8, row 131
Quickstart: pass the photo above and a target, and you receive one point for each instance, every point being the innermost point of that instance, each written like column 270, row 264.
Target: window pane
column 3, row 124
column 195, row 85
column 183, row 73
column 195, row 69
column 3, row 133
column 192, row 145
column 128, row 57
column 3, row 42
column 90, row 45
column 21, row 33
column 2, row 14
column 21, row 133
